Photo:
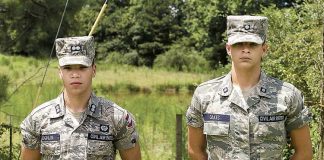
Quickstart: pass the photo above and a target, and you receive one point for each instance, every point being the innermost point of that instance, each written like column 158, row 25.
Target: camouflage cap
column 75, row 50
column 246, row 29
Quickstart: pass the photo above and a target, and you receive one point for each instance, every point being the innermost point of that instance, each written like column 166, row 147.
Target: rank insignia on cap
column 76, row 48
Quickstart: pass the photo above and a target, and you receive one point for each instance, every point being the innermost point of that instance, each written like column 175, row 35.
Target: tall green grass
column 155, row 116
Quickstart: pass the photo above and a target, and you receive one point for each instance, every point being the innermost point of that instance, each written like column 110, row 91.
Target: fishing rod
column 103, row 8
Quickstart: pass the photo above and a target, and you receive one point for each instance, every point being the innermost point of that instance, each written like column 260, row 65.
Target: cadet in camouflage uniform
column 77, row 124
column 247, row 114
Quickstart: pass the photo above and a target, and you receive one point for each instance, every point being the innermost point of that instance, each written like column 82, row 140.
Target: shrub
column 131, row 58
column 168, row 88
column 115, row 58
column 4, row 61
column 181, row 58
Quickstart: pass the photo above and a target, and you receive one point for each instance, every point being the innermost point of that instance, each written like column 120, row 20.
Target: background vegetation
column 159, row 50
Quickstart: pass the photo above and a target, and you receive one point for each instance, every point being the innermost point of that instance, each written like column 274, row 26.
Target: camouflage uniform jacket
column 258, row 131
column 103, row 128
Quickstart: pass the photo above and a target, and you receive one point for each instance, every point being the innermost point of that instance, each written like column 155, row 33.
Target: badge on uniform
column 216, row 117
column 271, row 118
column 92, row 108
column 100, row 137
column 129, row 121
column 50, row 137
column 57, row 109
column 104, row 128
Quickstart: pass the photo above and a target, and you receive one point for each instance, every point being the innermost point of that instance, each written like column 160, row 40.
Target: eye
column 254, row 44
column 237, row 44
column 66, row 67
column 83, row 67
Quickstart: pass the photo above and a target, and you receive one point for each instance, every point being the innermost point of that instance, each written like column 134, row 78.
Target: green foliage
column 4, row 81
column 295, row 62
column 295, row 52
column 182, row 58
column 139, row 30
column 106, row 89
column 5, row 147
column 30, row 26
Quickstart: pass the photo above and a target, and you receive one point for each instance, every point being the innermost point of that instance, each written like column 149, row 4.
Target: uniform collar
column 262, row 86
column 226, row 86
column 93, row 109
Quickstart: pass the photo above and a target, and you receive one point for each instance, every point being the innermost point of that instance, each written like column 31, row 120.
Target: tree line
column 175, row 34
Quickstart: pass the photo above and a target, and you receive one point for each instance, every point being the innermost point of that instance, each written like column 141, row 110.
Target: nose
column 246, row 48
column 75, row 74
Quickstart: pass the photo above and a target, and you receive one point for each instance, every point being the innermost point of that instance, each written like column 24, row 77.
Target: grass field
column 153, row 96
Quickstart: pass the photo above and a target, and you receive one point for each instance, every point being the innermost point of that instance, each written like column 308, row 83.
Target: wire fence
column 9, row 132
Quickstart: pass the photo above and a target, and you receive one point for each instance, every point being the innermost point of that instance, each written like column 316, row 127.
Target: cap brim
column 238, row 38
column 82, row 60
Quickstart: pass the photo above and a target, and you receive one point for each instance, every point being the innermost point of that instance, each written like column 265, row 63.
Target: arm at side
column 197, row 144
column 30, row 154
column 302, row 144
column 131, row 154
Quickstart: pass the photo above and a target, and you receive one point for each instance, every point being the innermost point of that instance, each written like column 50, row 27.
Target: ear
column 264, row 49
column 60, row 72
column 228, row 49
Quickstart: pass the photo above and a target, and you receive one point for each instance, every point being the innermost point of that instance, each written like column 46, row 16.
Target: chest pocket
column 50, row 144
column 271, row 129
column 216, row 124
column 100, row 145
column 217, row 129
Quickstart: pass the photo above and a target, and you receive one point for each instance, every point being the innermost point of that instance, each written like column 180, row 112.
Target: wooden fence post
column 179, row 137
column 11, row 146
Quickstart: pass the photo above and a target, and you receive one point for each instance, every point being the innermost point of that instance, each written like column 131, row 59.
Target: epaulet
column 284, row 84
column 108, row 104
column 44, row 106
column 213, row 81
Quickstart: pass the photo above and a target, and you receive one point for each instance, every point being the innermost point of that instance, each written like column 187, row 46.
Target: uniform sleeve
column 194, row 112
column 299, row 115
column 127, row 135
column 30, row 137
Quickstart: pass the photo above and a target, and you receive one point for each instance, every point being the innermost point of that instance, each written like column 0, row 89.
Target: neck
column 245, row 78
column 76, row 103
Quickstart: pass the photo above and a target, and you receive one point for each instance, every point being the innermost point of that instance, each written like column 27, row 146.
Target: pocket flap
column 216, row 128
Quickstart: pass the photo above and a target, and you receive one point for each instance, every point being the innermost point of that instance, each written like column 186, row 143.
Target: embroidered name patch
column 100, row 137
column 216, row 117
column 50, row 137
column 275, row 118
